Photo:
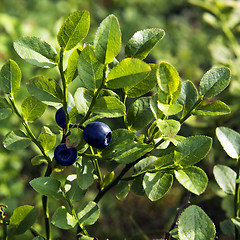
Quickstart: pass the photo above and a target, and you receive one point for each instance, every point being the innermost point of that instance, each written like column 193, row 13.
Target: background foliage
column 199, row 35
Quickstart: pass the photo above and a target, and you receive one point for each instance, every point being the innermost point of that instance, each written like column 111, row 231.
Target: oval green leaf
column 74, row 29
column 36, row 52
column 192, row 149
column 5, row 109
column 10, row 77
column 45, row 90
column 139, row 114
column 142, row 42
column 47, row 186
column 16, row 140
column 214, row 81
column 213, row 109
column 47, row 139
column 230, row 141
column 22, row 219
column 88, row 213
column 32, row 109
column 226, row 178
column 62, row 219
column 168, row 78
column 129, row 71
column 109, row 106
column 90, row 70
column 107, row 42
column 193, row 179
column 145, row 85
column 156, row 185
column 194, row 224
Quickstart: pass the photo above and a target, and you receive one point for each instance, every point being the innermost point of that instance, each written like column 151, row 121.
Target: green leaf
column 168, row 78
column 213, row 109
column 214, row 81
column 226, row 178
column 144, row 164
column 188, row 97
column 169, row 109
column 75, row 138
column 32, row 109
column 109, row 106
column 38, row 160
column 145, row 85
column 71, row 70
column 10, row 77
column 47, row 186
column 129, row 71
column 122, row 190
column 83, row 99
column 137, row 186
column 74, row 29
column 156, row 185
column 73, row 191
column 120, row 139
column 142, row 42
column 193, row 179
column 74, row 116
column 230, row 141
column 107, row 42
column 139, row 114
column 228, row 228
column 90, row 70
column 88, row 213
column 22, row 219
column 108, row 177
column 36, row 51
column 192, row 149
column 169, row 128
column 62, row 219
column 84, row 172
column 85, row 238
column 194, row 224
column 131, row 152
column 45, row 90
column 5, row 109
column 16, row 140
column 47, row 139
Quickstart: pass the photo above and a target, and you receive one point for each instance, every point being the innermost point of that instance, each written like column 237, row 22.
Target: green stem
column 46, row 217
column 189, row 113
column 29, row 131
column 49, row 167
column 97, row 168
column 95, row 96
column 81, row 229
column 123, row 97
column 64, row 86
column 4, row 226
column 237, row 197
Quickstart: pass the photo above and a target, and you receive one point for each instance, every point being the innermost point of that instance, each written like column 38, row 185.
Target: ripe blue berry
column 65, row 156
column 60, row 117
column 97, row 134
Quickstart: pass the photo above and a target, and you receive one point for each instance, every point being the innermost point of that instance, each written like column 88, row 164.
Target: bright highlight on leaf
column 10, row 77
column 142, row 42
column 36, row 51
column 230, row 141
column 107, row 42
column 128, row 72
column 194, row 223
column 74, row 29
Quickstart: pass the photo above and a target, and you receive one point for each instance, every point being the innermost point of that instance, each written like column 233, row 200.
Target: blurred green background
column 199, row 35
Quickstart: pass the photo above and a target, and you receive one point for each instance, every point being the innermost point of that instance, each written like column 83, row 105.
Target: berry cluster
column 96, row 134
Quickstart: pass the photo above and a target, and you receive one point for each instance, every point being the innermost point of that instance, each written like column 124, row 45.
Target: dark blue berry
column 65, row 156
column 60, row 117
column 97, row 134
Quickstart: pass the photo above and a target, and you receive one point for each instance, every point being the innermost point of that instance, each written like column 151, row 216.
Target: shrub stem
column 237, row 198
